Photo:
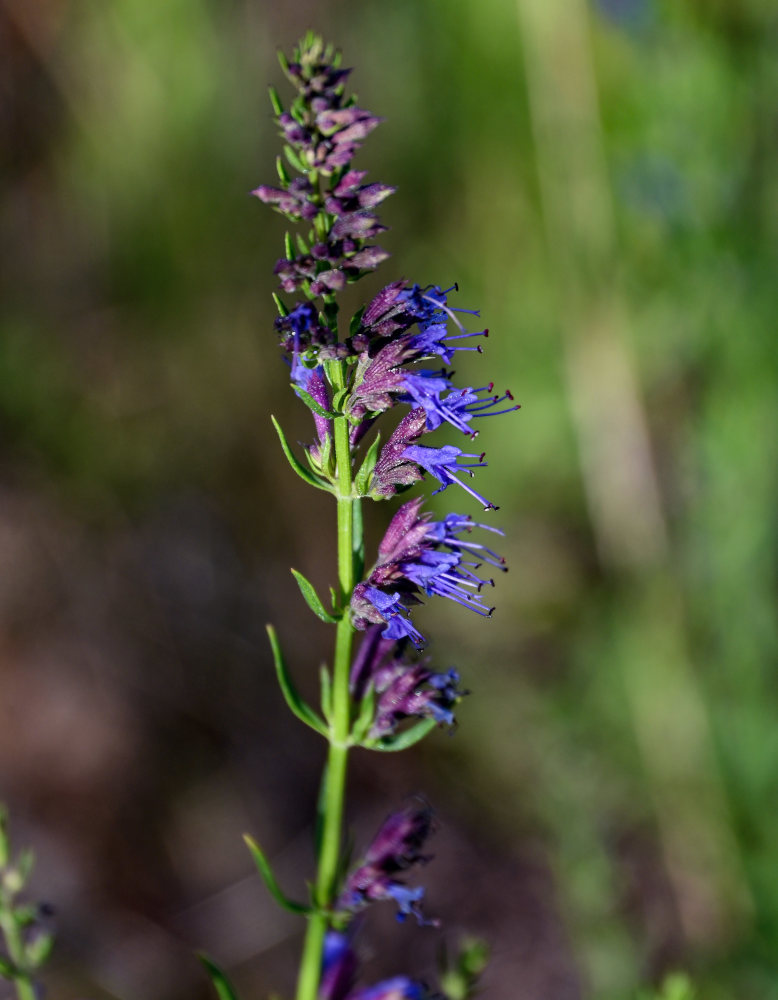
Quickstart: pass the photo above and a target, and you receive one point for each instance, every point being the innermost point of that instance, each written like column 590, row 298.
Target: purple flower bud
column 334, row 280
column 367, row 259
column 371, row 606
column 378, row 378
column 373, row 194
column 360, row 225
column 349, row 183
column 392, row 469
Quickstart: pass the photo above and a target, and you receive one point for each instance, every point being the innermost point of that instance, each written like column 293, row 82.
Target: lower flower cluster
column 396, row 847
column 339, row 972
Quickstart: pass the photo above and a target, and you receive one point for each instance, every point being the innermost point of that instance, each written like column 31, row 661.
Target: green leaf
column 298, row 707
column 289, row 247
column 359, row 543
column 264, row 869
column 339, row 399
column 222, row 985
column 311, row 403
column 294, row 159
column 280, row 305
column 312, row 598
column 283, row 173
column 38, row 949
column 364, row 720
column 405, row 739
column 356, row 321
column 275, row 100
column 366, row 469
column 302, row 246
column 283, row 63
column 298, row 467
column 326, row 692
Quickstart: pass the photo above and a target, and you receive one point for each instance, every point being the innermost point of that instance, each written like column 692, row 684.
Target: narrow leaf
column 275, row 100
column 298, row 467
column 294, row 159
column 405, row 739
column 280, row 305
column 302, row 246
column 283, row 173
column 339, row 399
column 311, row 403
column 264, row 869
column 298, row 707
column 283, row 62
column 364, row 720
column 326, row 692
column 289, row 247
column 366, row 469
column 222, row 985
column 312, row 598
column 356, row 321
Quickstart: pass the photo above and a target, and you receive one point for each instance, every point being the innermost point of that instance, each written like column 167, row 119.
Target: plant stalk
column 340, row 729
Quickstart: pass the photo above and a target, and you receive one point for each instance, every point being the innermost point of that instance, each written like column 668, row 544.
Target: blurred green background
column 602, row 182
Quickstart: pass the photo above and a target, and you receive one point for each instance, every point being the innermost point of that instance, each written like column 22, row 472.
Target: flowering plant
column 395, row 353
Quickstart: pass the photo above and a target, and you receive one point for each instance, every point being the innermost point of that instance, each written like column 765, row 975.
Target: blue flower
column 393, row 612
column 418, row 555
column 443, row 462
column 395, row 848
column 398, row 988
column 457, row 407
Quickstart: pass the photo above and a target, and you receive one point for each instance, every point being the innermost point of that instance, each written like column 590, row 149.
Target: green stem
column 337, row 756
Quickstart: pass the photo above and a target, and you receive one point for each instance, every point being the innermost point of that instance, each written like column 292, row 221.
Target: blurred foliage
column 622, row 727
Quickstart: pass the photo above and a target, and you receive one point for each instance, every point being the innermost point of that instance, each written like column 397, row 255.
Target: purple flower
column 398, row 988
column 294, row 202
column 339, row 966
column 393, row 470
column 443, row 462
column 302, row 329
column 373, row 607
column 458, row 406
column 419, row 555
column 404, row 690
column 395, row 848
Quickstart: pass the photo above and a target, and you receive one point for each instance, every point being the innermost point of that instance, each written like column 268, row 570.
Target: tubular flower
column 339, row 966
column 395, row 848
column 398, row 988
column 443, row 462
column 419, row 555
column 403, row 689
